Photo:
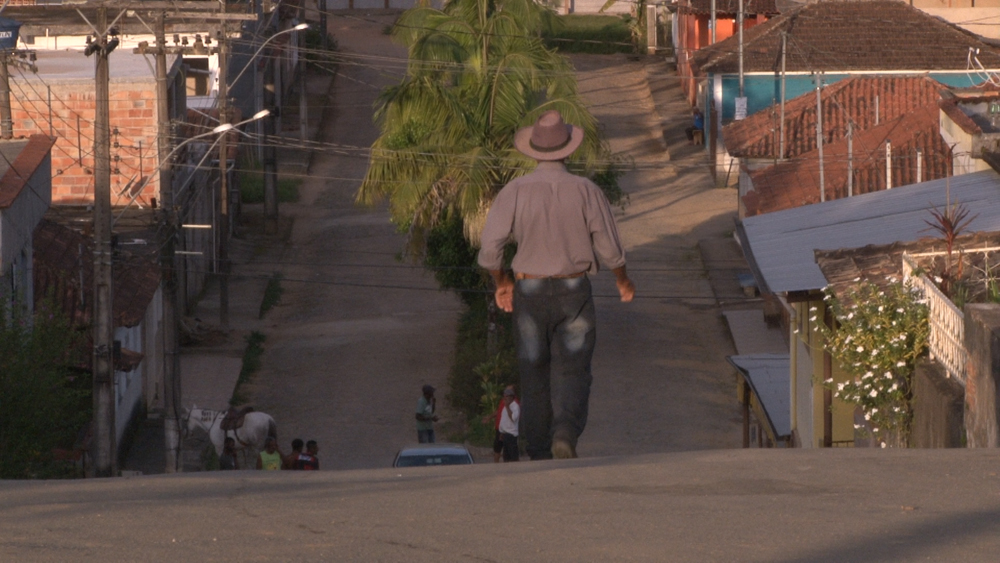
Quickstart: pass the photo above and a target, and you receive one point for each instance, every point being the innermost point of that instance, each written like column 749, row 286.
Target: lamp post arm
column 299, row 27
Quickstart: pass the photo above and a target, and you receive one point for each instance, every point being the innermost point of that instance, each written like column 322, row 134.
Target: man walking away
column 510, row 416
column 426, row 405
column 564, row 229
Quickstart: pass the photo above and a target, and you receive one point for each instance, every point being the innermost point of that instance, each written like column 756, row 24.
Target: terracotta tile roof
column 64, row 269
column 729, row 7
column 19, row 172
column 851, row 99
column 877, row 264
column 835, row 35
column 796, row 182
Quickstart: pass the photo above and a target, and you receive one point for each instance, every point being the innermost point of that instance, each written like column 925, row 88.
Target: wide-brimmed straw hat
column 550, row 138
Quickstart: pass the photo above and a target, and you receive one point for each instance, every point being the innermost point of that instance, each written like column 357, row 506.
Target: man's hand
column 626, row 289
column 505, row 290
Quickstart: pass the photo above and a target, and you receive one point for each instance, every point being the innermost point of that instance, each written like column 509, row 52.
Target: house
column 59, row 100
column 970, row 122
column 905, row 150
column 826, row 42
column 781, row 249
column 25, row 195
column 64, row 266
column 692, row 30
column 862, row 101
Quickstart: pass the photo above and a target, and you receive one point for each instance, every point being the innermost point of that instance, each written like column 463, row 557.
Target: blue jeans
column 555, row 331
column 425, row 436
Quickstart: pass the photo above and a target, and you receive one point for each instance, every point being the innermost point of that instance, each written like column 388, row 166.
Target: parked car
column 423, row 455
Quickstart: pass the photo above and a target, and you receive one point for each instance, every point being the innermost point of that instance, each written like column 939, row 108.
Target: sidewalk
column 722, row 257
column 209, row 371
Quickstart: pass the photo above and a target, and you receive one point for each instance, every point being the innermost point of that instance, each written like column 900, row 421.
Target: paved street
column 722, row 505
column 358, row 331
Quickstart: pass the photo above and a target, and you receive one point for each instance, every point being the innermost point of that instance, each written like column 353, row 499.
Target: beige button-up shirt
column 562, row 225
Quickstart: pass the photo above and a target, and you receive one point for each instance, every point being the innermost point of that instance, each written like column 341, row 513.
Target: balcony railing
column 947, row 336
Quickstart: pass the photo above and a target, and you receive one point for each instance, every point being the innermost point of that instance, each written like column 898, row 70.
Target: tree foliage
column 478, row 71
column 44, row 399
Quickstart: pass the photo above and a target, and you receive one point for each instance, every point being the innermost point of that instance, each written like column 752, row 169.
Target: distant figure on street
column 426, row 405
column 564, row 228
column 290, row 460
column 309, row 460
column 227, row 461
column 698, row 124
column 495, row 418
column 510, row 415
column 270, row 458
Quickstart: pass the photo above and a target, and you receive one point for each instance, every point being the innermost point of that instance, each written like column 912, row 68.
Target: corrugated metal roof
column 780, row 246
column 769, row 377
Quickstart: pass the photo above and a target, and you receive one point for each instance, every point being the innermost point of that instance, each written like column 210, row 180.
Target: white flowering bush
column 878, row 336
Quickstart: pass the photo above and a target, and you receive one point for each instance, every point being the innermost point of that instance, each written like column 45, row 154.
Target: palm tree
column 477, row 72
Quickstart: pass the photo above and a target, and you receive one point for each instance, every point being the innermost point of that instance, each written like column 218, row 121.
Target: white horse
column 257, row 426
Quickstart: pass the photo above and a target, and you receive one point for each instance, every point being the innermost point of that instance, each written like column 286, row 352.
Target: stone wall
column 938, row 408
column 982, row 342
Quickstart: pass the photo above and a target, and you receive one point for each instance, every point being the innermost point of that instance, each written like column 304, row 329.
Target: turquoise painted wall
column 762, row 91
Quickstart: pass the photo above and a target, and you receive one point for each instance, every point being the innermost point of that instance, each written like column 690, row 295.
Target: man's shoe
column 562, row 449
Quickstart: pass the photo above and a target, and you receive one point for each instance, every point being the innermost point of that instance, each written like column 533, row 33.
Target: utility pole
column 6, row 123
column 168, row 270
column 741, row 101
column 850, row 159
column 104, row 448
column 781, row 141
column 819, row 134
column 303, row 105
column 19, row 58
column 322, row 25
column 888, row 164
column 712, row 23
column 270, row 152
column 739, row 26
column 223, row 184
column 169, row 282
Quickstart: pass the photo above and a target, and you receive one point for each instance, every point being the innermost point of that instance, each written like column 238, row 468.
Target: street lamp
column 223, row 128
column 253, row 57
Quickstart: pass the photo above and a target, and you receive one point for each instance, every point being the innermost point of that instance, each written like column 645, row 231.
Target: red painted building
column 693, row 30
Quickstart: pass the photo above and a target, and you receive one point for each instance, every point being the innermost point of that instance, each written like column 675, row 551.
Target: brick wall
column 132, row 112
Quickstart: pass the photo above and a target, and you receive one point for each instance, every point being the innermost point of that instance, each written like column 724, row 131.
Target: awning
column 768, row 376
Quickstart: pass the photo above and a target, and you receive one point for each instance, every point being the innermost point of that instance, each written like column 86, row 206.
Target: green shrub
column 476, row 378
column 251, row 363
column 251, row 180
column 598, row 34
column 272, row 294
column 44, row 399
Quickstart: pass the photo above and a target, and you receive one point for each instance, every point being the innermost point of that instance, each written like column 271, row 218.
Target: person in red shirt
column 495, row 417
column 308, row 461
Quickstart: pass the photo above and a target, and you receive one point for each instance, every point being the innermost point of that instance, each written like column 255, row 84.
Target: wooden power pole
column 168, row 265
column 223, row 185
column 105, row 462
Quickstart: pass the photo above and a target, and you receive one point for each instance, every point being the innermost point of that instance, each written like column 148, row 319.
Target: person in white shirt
column 510, row 415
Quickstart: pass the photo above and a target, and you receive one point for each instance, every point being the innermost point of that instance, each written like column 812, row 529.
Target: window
column 197, row 76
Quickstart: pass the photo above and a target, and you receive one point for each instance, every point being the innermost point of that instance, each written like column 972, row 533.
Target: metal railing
column 947, row 334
